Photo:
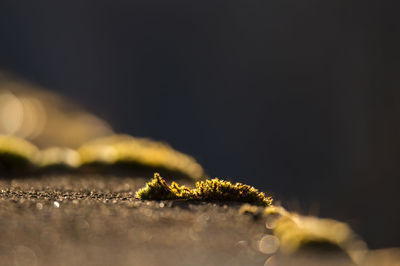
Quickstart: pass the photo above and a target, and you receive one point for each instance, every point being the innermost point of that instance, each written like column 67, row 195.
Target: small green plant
column 209, row 190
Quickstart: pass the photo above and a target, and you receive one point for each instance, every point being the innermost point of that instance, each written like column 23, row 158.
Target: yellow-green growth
column 138, row 152
column 156, row 189
column 297, row 231
column 209, row 190
column 16, row 154
column 181, row 192
column 220, row 190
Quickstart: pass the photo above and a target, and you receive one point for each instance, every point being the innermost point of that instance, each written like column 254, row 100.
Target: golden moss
column 156, row 189
column 296, row 231
column 209, row 190
column 181, row 192
column 140, row 151
column 48, row 120
column 59, row 157
column 117, row 150
column 15, row 145
column 216, row 190
column 45, row 118
column 16, row 153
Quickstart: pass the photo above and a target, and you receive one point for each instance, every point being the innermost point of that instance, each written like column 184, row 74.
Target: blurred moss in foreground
column 16, row 155
column 43, row 117
column 59, row 158
column 112, row 153
column 59, row 126
column 297, row 232
column 209, row 190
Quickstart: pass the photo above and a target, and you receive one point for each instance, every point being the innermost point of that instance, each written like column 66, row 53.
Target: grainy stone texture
column 95, row 220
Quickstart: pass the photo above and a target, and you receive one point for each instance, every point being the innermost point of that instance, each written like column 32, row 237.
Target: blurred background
column 299, row 98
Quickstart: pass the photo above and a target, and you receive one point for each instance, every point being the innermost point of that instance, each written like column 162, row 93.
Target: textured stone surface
column 95, row 220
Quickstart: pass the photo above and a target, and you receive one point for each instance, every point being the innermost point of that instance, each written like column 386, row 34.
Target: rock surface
column 95, row 220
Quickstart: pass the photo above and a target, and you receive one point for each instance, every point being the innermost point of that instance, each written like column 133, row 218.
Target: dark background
column 296, row 97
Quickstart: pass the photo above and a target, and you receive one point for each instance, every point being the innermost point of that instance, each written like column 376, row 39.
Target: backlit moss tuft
column 135, row 152
column 297, row 231
column 56, row 157
column 217, row 190
column 157, row 189
column 209, row 190
column 16, row 155
column 117, row 152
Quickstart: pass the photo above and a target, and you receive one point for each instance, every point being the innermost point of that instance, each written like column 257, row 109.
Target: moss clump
column 156, row 189
column 209, row 190
column 297, row 232
column 16, row 155
column 58, row 158
column 216, row 190
column 138, row 153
